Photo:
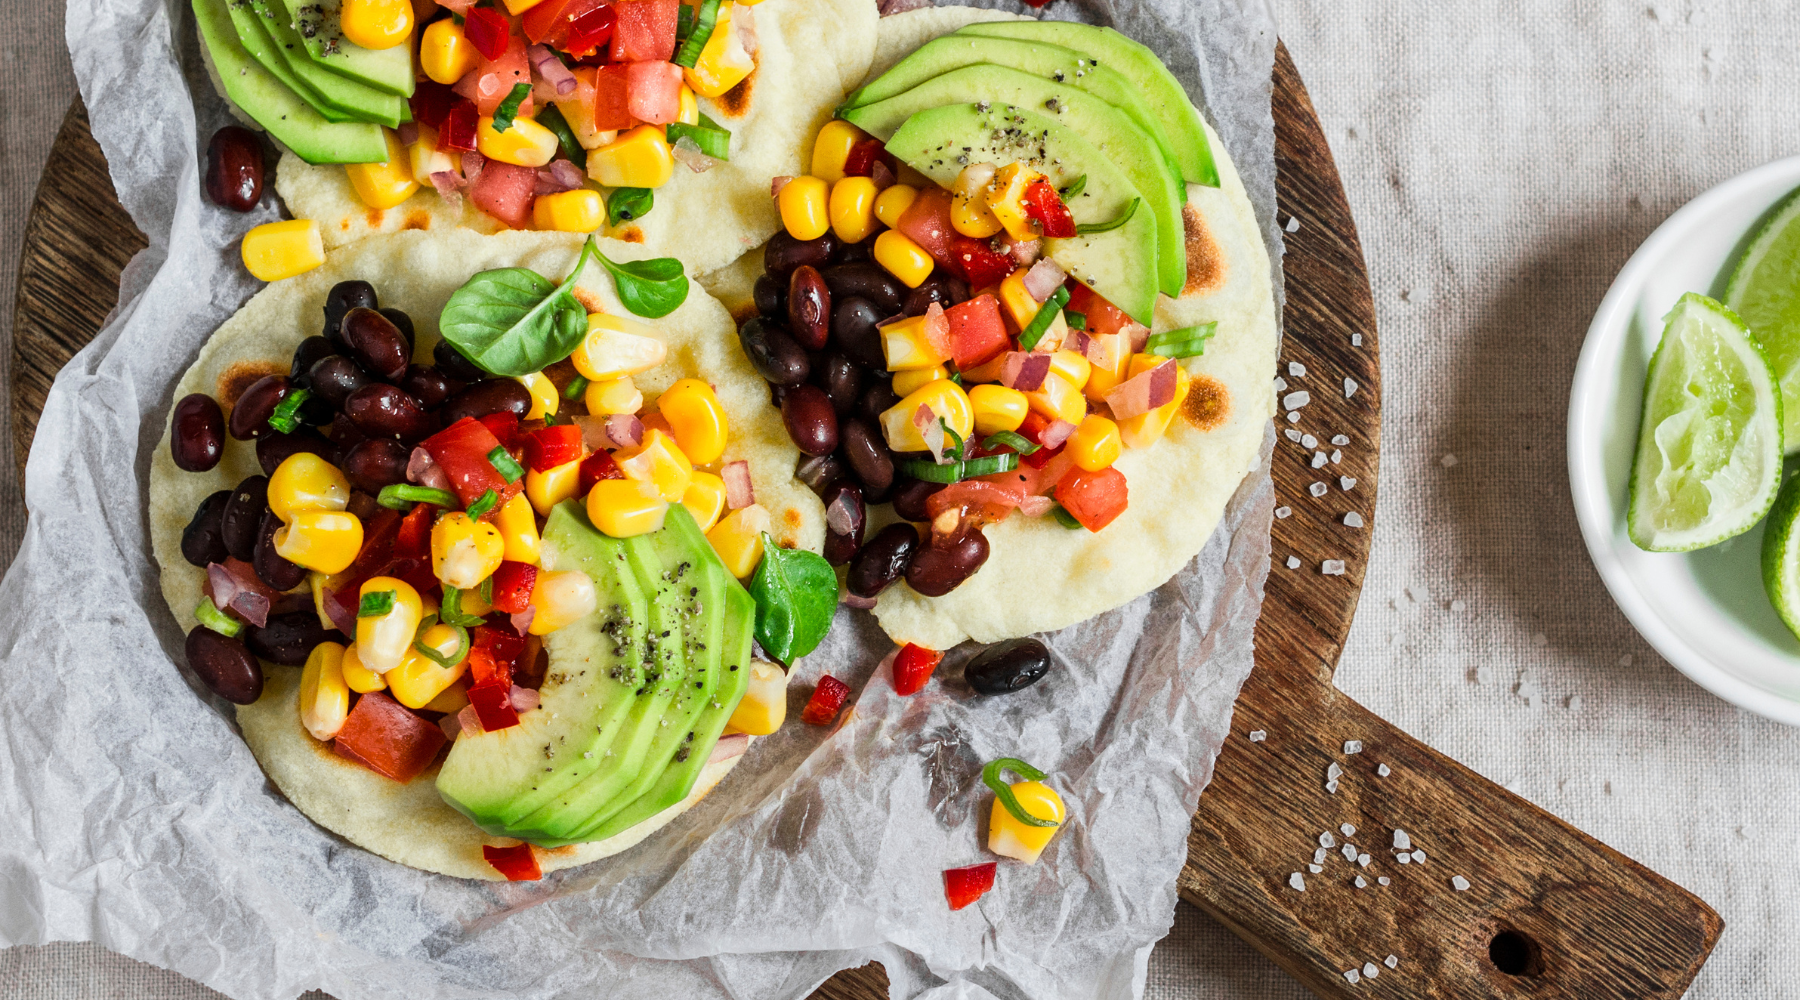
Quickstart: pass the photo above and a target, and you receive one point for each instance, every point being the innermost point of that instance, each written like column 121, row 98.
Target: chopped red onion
column 777, row 183
column 1024, row 371
column 551, row 69
column 1076, row 341
column 344, row 617
column 889, row 8
column 231, row 590
column 421, row 468
column 743, row 25
column 468, row 720
column 521, row 620
column 1058, row 432
column 688, row 152
column 729, row 747
column 472, row 163
column 1136, row 335
column 1044, row 278
column 882, row 175
column 625, row 430
column 593, row 432
column 937, row 330
column 1025, row 252
column 449, row 186
column 1103, row 349
column 738, row 491
column 559, row 176
column 840, row 516
column 524, row 699
column 407, row 133
column 1144, row 393
column 932, row 430
column 452, row 724
column 1036, row 506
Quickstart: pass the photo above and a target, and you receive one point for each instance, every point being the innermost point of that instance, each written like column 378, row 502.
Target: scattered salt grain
column 1318, row 489
column 1349, row 388
column 1346, row 483
column 1257, row 736
column 1319, row 460
column 1296, row 399
column 1402, row 842
column 1352, row 976
column 1332, row 567
column 1319, row 856
column 1459, row 883
column 1293, row 562
column 1315, row 869
column 1337, row 456
column 1280, row 384
column 1356, row 340
column 1347, row 830
column 1308, row 441
column 1390, row 961
column 1283, row 511
column 1447, row 461
column 1295, row 881
column 1340, row 440
column 1293, row 225
column 1458, row 606
column 1326, row 839
column 1363, row 860
column 1353, row 520
column 1371, row 970
column 1335, row 770
column 1349, row 852
column 1362, row 883
column 1384, row 880
column 1418, row 857
column 1294, row 435
column 1383, row 770
column 1294, row 417
column 1405, row 859
column 1296, row 369
column 1574, row 703
column 1332, row 787
column 1353, row 746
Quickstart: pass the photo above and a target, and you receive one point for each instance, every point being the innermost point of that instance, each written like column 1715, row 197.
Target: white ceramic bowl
column 1705, row 611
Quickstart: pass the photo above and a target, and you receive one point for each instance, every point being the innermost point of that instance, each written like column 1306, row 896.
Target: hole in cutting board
column 1516, row 954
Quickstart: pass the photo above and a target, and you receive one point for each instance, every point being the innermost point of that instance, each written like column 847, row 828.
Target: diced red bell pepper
column 653, row 89
column 431, row 103
column 500, row 641
column 1102, row 316
column 462, row 449
column 590, row 31
column 512, row 586
column 913, row 666
column 517, row 862
column 487, row 30
column 600, row 465
column 1033, row 430
column 460, row 123
column 1046, row 206
column 644, row 30
column 963, row 886
column 504, row 426
column 826, row 699
column 381, row 735
column 549, row 447
column 863, row 157
column 1094, row 498
column 483, row 668
column 505, row 192
column 927, row 222
column 413, row 539
column 612, row 98
column 493, row 703
column 977, row 333
column 981, row 264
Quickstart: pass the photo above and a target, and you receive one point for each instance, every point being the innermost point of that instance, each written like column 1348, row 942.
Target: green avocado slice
column 1120, row 263
column 1150, row 79
column 319, row 87
column 387, row 70
column 1112, row 132
column 255, row 39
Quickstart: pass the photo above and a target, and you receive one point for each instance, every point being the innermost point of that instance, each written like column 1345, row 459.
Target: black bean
column 810, row 420
column 910, row 497
column 306, row 355
column 343, row 297
column 241, row 523
column 808, row 308
column 842, row 380
column 944, row 289
column 375, row 343
column 1008, row 666
column 853, row 328
column 867, row 455
column 288, row 639
column 197, row 433
column 335, row 377
column 455, row 363
column 776, row 356
column 270, row 567
column 274, row 449
column 866, row 281
column 943, row 564
column 853, row 253
column 883, row 560
column 404, row 324
column 841, row 546
column 770, row 295
column 375, row 463
column 495, row 395
column 234, row 168
column 385, row 411
column 203, row 540
column 820, row 472
column 428, row 385
column 250, row 415
column 784, row 253
column 876, row 400
column 224, row 665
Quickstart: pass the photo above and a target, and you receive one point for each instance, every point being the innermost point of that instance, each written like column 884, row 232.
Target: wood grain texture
column 1584, row 921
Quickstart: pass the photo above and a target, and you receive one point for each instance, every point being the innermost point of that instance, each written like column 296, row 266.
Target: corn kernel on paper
column 132, row 814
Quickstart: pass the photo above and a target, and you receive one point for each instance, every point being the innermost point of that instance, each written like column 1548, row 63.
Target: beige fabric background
column 1503, row 159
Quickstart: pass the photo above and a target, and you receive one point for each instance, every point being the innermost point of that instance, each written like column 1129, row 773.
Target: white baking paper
column 131, row 814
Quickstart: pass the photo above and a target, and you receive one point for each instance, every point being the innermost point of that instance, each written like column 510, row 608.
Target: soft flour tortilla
column 417, row 272
column 1041, row 576
column 810, row 54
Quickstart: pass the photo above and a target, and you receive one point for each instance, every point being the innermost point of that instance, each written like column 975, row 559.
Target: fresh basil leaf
column 513, row 321
column 796, row 595
column 1088, row 229
column 650, row 288
column 509, row 108
column 552, row 118
column 626, row 204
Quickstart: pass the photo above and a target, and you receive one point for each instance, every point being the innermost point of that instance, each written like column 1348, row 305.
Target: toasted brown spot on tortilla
column 632, row 234
column 1206, row 264
column 242, row 375
column 565, row 851
column 419, row 219
column 375, row 216
column 734, row 103
column 344, row 223
column 1208, row 402
column 588, row 300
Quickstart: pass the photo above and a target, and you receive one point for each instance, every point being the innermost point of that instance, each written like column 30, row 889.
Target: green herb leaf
column 650, row 288
column 1046, row 315
column 796, row 595
column 505, row 464
column 712, row 139
column 1011, row 439
column 462, row 649
column 684, row 23
column 402, row 496
column 1064, row 518
column 487, row 590
column 575, row 388
column 287, row 412
column 452, row 613
column 697, row 39
column 626, row 204
column 990, row 776
column 551, row 117
column 483, row 503
column 220, row 622
column 1089, row 229
column 509, row 108
column 1076, row 320
column 1187, row 342
column 1074, row 189
column 375, row 604
column 513, row 321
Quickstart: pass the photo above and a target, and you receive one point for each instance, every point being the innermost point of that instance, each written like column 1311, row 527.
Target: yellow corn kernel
column 304, row 481
column 997, row 408
column 1072, row 367
column 1058, row 400
column 891, row 204
column 660, row 462
column 903, row 258
column 359, row 678
column 944, row 398
column 465, row 551
column 802, row 203
column 687, row 106
column 705, row 499
column 319, row 584
column 384, row 185
column 1005, row 198
column 579, row 211
column 639, row 158
column 1143, row 430
column 544, row 490
column 1141, row 363
column 969, row 213
column 277, row 250
column 419, row 678
column 445, row 53
column 723, row 63
column 912, row 380
column 324, row 697
column 1010, row 838
column 451, row 700
column 852, row 209
column 517, row 7
column 544, row 396
column 616, row 347
column 613, row 395
column 518, row 530
column 423, row 158
column 696, row 419
column 764, row 707
column 323, row 540
column 561, row 598
column 905, row 345
column 382, row 640
column 737, row 539
column 524, row 144
column 471, row 603
column 1096, row 443
column 376, row 24
column 623, row 508
column 1108, row 357
column 832, row 148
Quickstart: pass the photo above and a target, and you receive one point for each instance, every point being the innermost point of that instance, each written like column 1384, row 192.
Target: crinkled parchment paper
column 131, row 813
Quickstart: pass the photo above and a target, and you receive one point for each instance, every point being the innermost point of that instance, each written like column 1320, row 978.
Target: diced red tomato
column 653, row 89
column 986, row 501
column 504, row 426
column 483, row 668
column 453, row 6
column 459, row 127
column 431, row 103
column 505, row 192
column 927, row 222
column 612, row 108
column 487, row 30
column 1095, row 498
column 978, row 262
column 549, row 447
column 863, row 157
column 381, row 735
column 413, row 539
column 977, row 333
column 826, row 699
column 644, row 30
column 549, row 22
column 1102, row 316
column 963, row 886
column 493, row 702
column 512, row 586
column 492, row 80
column 500, row 640
column 517, row 863
column 913, row 666
column 600, row 465
column 1046, row 206
column 591, row 31
column 461, row 450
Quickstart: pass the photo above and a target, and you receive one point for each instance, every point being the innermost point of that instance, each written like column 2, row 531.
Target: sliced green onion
column 932, row 472
column 1011, row 439
column 505, row 464
column 684, row 23
column 509, row 108
column 551, row 117
column 1074, row 189
column 401, row 496
column 697, row 39
column 375, row 604
column 1064, row 518
column 220, row 622
column 990, row 776
column 1089, row 229
column 1076, row 321
column 576, row 387
column 1187, row 342
column 1046, row 314
column 452, row 612
column 955, row 373
column 712, row 140
column 987, row 465
column 287, row 412
column 483, row 503
column 462, row 649
column 487, row 590
column 626, row 204
column 956, row 450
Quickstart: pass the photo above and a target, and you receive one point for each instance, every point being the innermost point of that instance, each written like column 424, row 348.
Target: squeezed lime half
column 1708, row 459
column 1781, row 555
column 1765, row 292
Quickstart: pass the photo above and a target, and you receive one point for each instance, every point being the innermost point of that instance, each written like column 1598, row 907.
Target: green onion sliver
column 551, row 117
column 1046, row 314
column 988, row 465
column 684, row 23
column 1074, row 189
column 220, row 622
column 487, row 590
column 956, row 449
column 452, row 612
column 287, row 412
column 483, row 503
column 1064, row 518
column 375, row 604
column 1011, row 439
column 401, row 496
column 1076, row 320
column 702, row 33
column 505, row 464
column 576, row 387
column 932, row 472
column 462, row 649
column 509, row 108
column 1088, row 229
column 990, row 776
column 714, row 142
column 1187, row 342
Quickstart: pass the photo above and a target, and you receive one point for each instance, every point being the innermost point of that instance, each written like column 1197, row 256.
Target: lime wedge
column 1765, row 291
column 1781, row 555
column 1709, row 447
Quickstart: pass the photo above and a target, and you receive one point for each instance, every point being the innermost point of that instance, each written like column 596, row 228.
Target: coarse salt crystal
column 1402, row 841
column 1332, row 567
column 1363, row 860
column 1418, row 857
column 1294, row 417
column 1362, row 883
column 1308, row 441
column 1340, row 440
column 1318, row 489
column 1384, row 880
column 1390, row 961
column 1336, row 770
column 1326, row 839
column 1352, row 519
column 1356, row 340
column 1574, row 703
column 1257, row 736
column 1293, row 562
column 1295, row 881
column 1294, row 435
column 1448, row 461
column 1346, row 483
column 1370, row 970
column 1319, row 856
column 1352, row 976
column 1405, row 859
column 1337, row 456
column 1349, row 387
column 1383, row 770
column 1349, row 852
column 1459, row 883
column 1347, row 830
column 1319, row 460
column 1353, row 746
column 1280, row 383
column 1332, row 787
column 1296, row 369
column 1315, row 869
column 1293, row 225
column 1283, row 511
column 1458, row 606
column 1296, row 399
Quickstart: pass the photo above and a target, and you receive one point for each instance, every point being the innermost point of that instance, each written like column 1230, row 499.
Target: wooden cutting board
column 1548, row 911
